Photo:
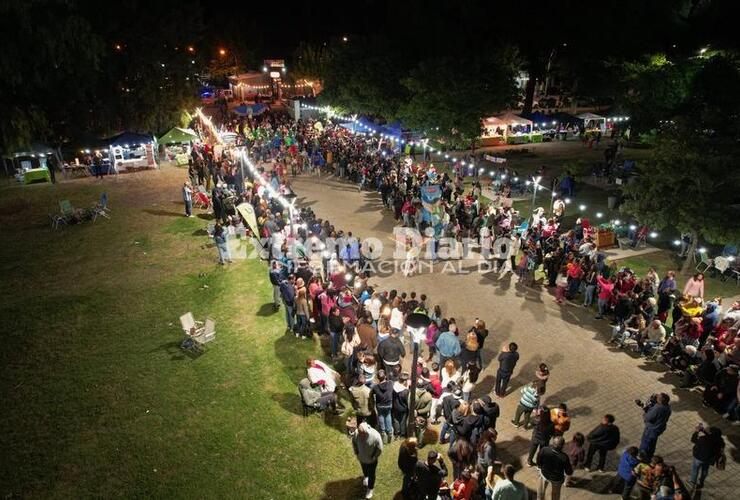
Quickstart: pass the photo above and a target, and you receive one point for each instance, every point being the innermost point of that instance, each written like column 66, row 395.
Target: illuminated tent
column 593, row 121
column 178, row 135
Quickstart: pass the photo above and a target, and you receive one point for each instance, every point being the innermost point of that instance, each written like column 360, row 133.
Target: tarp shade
column 178, row 135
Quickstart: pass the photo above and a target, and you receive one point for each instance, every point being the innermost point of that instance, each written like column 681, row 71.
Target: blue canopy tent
column 361, row 125
column 566, row 119
column 393, row 129
column 253, row 109
column 541, row 120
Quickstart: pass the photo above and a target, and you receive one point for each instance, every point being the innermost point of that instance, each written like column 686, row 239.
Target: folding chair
column 705, row 261
column 189, row 325
column 206, row 335
column 57, row 220
column 100, row 208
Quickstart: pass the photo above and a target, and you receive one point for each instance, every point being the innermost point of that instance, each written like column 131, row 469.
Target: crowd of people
column 368, row 337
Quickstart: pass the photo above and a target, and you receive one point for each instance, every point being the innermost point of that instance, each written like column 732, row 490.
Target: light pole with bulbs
column 416, row 325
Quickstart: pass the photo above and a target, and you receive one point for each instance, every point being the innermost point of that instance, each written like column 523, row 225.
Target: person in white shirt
column 319, row 373
column 373, row 306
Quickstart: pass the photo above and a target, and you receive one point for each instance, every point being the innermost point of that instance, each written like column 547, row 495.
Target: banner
column 432, row 210
column 246, row 210
column 494, row 159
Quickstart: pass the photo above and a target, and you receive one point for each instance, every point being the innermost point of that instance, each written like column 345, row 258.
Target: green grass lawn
column 99, row 399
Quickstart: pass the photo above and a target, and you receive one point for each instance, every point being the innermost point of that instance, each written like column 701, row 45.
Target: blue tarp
column 256, row 109
column 539, row 118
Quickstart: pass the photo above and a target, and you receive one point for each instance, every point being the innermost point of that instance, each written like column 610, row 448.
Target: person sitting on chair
column 314, row 397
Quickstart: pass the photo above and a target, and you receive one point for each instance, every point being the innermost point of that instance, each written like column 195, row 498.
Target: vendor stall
column 130, row 152
column 177, row 143
column 30, row 164
column 593, row 123
column 508, row 128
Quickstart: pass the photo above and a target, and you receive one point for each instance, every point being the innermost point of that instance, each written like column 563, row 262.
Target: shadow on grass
column 200, row 232
column 267, row 310
column 163, row 213
column 176, row 353
column 205, row 216
column 345, row 488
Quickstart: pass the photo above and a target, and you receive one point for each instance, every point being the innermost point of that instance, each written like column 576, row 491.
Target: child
column 624, row 481
column 522, row 265
column 562, row 284
column 576, row 454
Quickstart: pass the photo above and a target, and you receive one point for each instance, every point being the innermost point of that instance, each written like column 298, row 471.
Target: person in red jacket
column 605, row 292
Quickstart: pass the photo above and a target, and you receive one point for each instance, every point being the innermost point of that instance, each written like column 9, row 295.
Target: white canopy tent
column 592, row 121
column 506, row 125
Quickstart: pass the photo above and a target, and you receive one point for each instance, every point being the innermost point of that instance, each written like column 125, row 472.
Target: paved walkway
column 587, row 374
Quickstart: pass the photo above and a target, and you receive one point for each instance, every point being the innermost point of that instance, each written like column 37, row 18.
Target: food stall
column 508, row 128
column 131, row 152
column 31, row 164
column 177, row 144
column 593, row 123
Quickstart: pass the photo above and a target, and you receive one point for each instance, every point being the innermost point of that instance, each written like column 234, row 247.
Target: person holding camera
column 708, row 449
column 657, row 413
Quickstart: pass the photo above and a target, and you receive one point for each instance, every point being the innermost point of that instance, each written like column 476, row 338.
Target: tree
column 364, row 77
column 49, row 61
column 454, row 95
column 690, row 183
column 311, row 61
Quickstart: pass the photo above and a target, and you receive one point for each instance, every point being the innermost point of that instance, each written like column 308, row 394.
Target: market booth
column 177, row 144
column 31, row 164
column 593, row 123
column 130, row 152
column 508, row 128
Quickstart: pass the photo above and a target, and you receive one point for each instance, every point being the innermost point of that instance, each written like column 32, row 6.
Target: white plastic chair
column 190, row 326
column 207, row 334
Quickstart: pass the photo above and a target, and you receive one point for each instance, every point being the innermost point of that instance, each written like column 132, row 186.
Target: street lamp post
column 416, row 325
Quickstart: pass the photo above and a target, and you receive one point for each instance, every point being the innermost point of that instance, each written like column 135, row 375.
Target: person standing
column 429, row 476
column 276, row 276
column 605, row 437
column 221, row 238
column 383, row 398
column 541, row 434
column 554, row 466
column 507, row 488
column 361, row 399
column 187, row 197
column 708, row 448
column 407, row 459
column 625, row 478
column 656, row 419
column 506, row 362
column 287, row 293
column 529, row 401
column 368, row 447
